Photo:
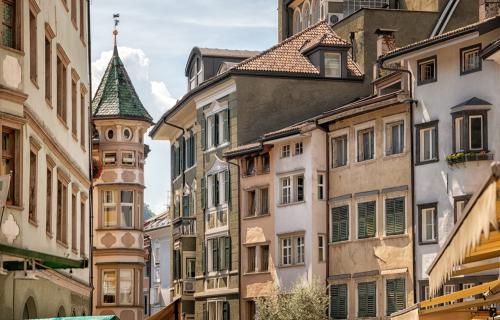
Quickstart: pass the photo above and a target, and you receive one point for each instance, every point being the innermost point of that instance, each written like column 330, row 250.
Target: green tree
column 304, row 301
column 148, row 213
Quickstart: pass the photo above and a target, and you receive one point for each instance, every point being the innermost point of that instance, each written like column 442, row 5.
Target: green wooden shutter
column 366, row 219
column 203, row 258
column 227, row 252
column 367, row 300
column 227, row 186
column 225, row 116
column 395, row 216
column 395, row 295
column 215, row 130
column 215, row 189
column 203, row 133
column 338, row 301
column 225, row 310
column 215, row 254
column 361, row 220
column 182, row 153
column 203, row 194
column 172, row 163
column 390, row 213
column 340, row 223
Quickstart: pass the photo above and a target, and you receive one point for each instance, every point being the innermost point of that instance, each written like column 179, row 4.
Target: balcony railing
column 461, row 157
column 186, row 227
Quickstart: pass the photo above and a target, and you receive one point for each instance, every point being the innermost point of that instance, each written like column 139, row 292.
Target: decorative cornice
column 12, row 95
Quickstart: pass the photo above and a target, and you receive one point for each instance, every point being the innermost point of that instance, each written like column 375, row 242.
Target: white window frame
column 328, row 56
column 449, row 289
column 129, row 205
column 459, row 134
column 424, row 213
column 355, row 218
column 482, row 132
column 474, row 50
column 393, row 196
column 321, row 185
column 293, row 249
column 322, row 248
column 333, row 153
column 299, row 148
column 286, row 189
column 111, row 204
column 431, row 146
column 107, row 156
column 361, row 127
column 128, row 158
column 289, row 250
column 393, row 121
column 300, row 250
column 285, row 151
column 468, row 286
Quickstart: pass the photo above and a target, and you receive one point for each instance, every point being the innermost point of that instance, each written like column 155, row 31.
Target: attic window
column 195, row 76
column 333, row 65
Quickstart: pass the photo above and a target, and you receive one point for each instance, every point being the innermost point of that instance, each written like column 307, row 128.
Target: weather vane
column 117, row 21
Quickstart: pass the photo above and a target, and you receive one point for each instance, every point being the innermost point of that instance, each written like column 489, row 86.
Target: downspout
column 411, row 101
column 89, row 148
column 239, row 238
column 183, row 132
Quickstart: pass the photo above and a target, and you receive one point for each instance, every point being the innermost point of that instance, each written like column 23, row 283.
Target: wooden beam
column 469, row 270
column 488, row 249
column 460, row 294
column 462, row 305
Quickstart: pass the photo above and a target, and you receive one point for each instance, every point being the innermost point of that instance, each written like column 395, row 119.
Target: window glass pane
column 332, row 64
column 459, row 134
column 300, row 250
column 109, row 286
column 127, row 196
column 264, row 258
column 126, row 287
column 476, row 132
column 470, row 60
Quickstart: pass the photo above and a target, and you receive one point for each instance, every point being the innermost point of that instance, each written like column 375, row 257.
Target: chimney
column 488, row 9
column 386, row 41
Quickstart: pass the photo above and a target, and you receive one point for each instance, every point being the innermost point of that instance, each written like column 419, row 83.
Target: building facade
column 158, row 232
column 120, row 121
column 44, row 112
column 455, row 133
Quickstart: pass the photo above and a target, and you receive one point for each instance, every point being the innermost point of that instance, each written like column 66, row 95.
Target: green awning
column 85, row 318
column 47, row 260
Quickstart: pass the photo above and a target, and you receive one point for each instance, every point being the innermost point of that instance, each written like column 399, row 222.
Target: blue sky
column 155, row 38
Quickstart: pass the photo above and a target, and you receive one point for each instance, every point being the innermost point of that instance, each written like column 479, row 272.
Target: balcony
column 461, row 157
column 184, row 227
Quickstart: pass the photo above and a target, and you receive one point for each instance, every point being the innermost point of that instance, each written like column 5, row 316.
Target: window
column 126, row 286
column 218, row 189
column 321, row 248
column 74, row 245
column 252, row 203
column 250, row 166
column 127, row 134
column 286, row 190
column 366, row 219
column 340, row 223
column 48, row 69
column 110, row 133
column 395, row 291
column 216, row 310
column 109, row 286
column 251, row 309
column 321, row 186
column 468, row 286
column 82, row 227
column 190, row 268
column 299, row 188
column 339, row 151
column 83, row 111
column 333, row 65
column 265, row 162
column 190, row 151
column 62, row 213
column 186, row 204
column 428, row 223
column 299, row 148
column 297, row 24
column 73, row 12
column 427, row 142
column 128, row 158
column 8, row 23
column 33, row 46
column 109, row 158
column 427, row 70
column 264, row 258
column 74, row 106
column 476, row 132
column 470, row 61
column 217, row 129
column 448, row 289
column 285, row 151
column 366, row 144
column 195, row 75
column 395, row 216
column 252, row 259
column 292, row 250
column 218, row 254
column 469, row 131
column 264, row 201
column 11, row 161
column 459, row 134
column 367, row 300
column 338, row 301
column 33, row 187
column 109, row 206
column 61, row 89
column 48, row 195
column 394, row 138
column 82, row 20
column 127, row 208
column 459, row 204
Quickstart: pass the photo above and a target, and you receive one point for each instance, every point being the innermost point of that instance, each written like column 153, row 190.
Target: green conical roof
column 116, row 96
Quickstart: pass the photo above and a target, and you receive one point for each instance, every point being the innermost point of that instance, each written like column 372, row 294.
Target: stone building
column 44, row 111
column 118, row 151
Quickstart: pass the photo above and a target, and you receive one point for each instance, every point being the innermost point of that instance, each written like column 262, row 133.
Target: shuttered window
column 203, row 193
column 227, row 186
column 367, row 300
column 366, row 219
column 338, row 301
column 225, row 310
column 227, row 253
column 203, row 133
column 185, row 205
column 395, row 216
column 225, row 119
column 340, row 223
column 395, row 295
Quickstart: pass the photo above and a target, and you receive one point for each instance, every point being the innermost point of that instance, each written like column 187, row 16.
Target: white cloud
column 162, row 96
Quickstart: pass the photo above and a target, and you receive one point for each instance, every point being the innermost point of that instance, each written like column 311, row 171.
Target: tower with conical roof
column 120, row 121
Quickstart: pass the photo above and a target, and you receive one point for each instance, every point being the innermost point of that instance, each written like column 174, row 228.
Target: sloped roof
column 159, row 221
column 482, row 26
column 474, row 101
column 116, row 96
column 287, row 56
column 228, row 53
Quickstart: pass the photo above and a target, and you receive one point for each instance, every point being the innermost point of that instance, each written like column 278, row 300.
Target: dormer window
column 195, row 76
column 333, row 63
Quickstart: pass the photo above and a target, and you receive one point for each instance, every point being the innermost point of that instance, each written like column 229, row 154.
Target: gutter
column 89, row 148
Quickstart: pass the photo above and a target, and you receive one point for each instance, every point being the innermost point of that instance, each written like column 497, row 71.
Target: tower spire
column 115, row 31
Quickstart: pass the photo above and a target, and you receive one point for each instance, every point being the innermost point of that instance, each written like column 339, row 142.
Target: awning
column 85, row 318
column 168, row 313
column 43, row 260
column 474, row 239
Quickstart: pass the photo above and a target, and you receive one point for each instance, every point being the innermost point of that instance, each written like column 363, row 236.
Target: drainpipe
column 411, row 101
column 239, row 238
column 183, row 132
column 89, row 148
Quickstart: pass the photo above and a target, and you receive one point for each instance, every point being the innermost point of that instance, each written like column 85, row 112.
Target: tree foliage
column 148, row 213
column 304, row 301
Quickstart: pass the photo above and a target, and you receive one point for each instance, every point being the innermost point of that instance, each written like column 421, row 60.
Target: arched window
column 29, row 311
column 61, row 312
column 306, row 15
column 315, row 11
column 297, row 25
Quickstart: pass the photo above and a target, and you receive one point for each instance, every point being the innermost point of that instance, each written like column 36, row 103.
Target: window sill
column 395, row 236
column 395, row 155
column 62, row 121
column 424, row 243
column 466, row 72
column 340, row 168
column 292, row 265
column 49, row 235
column 256, row 273
column 15, row 207
column 215, row 148
column 33, row 81
column 49, row 103
column 290, row 204
column 13, row 50
column 62, row 244
column 424, row 82
column 365, row 162
column 421, row 163
column 33, row 222
column 257, row 216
